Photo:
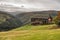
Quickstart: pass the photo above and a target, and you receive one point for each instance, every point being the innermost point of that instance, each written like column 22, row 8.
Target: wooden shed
column 41, row 19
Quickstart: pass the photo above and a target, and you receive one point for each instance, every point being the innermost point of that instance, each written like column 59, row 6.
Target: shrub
column 57, row 21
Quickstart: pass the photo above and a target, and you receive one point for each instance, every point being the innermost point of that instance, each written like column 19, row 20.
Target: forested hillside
column 8, row 21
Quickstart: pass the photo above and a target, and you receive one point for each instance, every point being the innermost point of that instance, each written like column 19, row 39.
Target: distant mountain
column 8, row 21
column 26, row 16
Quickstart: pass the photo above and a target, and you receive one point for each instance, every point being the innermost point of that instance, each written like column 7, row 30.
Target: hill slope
column 8, row 21
column 33, row 34
column 26, row 16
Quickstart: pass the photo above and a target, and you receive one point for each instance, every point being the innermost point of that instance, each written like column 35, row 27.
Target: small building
column 41, row 19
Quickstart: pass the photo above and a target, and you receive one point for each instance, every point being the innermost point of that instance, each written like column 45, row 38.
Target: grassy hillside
column 36, row 27
column 29, row 32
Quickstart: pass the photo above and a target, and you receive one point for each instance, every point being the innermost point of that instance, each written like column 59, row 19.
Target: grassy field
column 35, row 27
column 29, row 32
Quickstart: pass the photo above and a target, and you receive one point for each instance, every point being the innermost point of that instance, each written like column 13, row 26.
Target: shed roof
column 41, row 16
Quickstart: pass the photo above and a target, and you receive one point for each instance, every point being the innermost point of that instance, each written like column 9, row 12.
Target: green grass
column 40, row 35
column 36, row 27
column 29, row 32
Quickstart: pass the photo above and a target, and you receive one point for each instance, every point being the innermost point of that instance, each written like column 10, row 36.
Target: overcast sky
column 39, row 4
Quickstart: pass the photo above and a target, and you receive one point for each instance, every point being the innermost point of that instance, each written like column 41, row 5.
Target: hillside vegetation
column 27, row 31
column 30, row 32
column 8, row 21
column 35, row 27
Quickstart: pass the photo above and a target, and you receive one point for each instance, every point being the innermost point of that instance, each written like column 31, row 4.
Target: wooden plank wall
column 58, row 15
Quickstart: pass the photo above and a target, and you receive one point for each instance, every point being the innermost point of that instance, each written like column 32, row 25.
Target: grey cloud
column 41, row 4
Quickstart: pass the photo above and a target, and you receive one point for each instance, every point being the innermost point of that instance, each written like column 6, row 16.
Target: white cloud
column 39, row 4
